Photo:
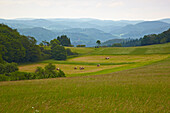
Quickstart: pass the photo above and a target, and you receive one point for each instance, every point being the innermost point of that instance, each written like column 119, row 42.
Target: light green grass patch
column 151, row 49
column 115, row 63
column 142, row 89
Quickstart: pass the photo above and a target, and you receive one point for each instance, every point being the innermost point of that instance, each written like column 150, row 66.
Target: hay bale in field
column 75, row 67
column 107, row 58
column 81, row 68
column 98, row 65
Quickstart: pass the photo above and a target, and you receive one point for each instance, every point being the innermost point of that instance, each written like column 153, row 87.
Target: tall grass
column 152, row 49
column 142, row 89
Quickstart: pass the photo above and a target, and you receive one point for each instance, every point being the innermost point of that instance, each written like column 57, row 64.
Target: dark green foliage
column 40, row 73
column 61, row 74
column 69, row 52
column 54, row 43
column 156, row 39
column 2, row 68
column 64, row 40
column 46, row 43
column 131, row 42
column 41, row 44
column 117, row 45
column 8, row 68
column 81, row 46
column 149, row 40
column 1, row 60
column 4, row 78
column 98, row 42
column 59, row 53
column 20, row 76
column 48, row 72
column 17, row 48
column 109, row 43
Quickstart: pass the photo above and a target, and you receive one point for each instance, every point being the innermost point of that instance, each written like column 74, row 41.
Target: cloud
column 116, row 4
column 98, row 5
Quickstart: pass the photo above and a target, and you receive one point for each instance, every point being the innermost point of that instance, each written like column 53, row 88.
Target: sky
column 99, row 9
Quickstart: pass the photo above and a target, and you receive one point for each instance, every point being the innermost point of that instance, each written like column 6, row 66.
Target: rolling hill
column 141, row 88
column 39, row 33
column 87, row 36
column 140, row 29
column 86, row 30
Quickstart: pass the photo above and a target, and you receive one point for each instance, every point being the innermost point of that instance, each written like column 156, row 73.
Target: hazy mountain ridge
column 86, row 30
column 140, row 29
column 87, row 36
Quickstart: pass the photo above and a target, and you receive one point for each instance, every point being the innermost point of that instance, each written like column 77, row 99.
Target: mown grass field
column 152, row 49
column 143, row 89
column 121, row 58
column 120, row 62
column 135, row 79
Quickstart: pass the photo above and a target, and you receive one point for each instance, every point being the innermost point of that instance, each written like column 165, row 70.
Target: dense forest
column 20, row 49
column 149, row 40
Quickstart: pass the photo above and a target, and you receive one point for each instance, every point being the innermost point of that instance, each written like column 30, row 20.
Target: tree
column 11, row 67
column 98, row 42
column 117, row 45
column 54, row 43
column 59, row 53
column 17, row 48
column 49, row 72
column 41, row 44
column 64, row 40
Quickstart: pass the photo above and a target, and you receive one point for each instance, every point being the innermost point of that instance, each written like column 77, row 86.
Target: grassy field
column 143, row 89
column 115, row 63
column 152, row 49
column 135, row 79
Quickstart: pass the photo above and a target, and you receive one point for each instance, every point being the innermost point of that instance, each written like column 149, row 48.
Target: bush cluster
column 10, row 73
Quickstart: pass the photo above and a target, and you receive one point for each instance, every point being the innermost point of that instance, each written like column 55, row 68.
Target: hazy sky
column 101, row 9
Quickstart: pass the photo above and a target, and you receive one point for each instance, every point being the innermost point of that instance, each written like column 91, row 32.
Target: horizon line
column 34, row 18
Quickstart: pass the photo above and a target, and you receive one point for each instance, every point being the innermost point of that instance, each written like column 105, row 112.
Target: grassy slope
column 143, row 89
column 152, row 49
column 121, row 58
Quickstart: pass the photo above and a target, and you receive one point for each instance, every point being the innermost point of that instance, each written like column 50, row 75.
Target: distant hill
column 87, row 36
column 112, row 41
column 167, row 20
column 141, row 29
column 86, row 30
column 39, row 33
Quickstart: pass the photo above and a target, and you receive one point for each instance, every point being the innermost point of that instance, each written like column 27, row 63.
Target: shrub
column 3, row 77
column 2, row 68
column 81, row 46
column 59, row 53
column 10, row 67
column 48, row 72
column 117, row 45
column 20, row 76
column 61, row 74
column 69, row 52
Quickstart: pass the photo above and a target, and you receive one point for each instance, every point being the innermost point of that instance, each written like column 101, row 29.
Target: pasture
column 134, row 79
column 141, row 50
column 142, row 89
column 115, row 63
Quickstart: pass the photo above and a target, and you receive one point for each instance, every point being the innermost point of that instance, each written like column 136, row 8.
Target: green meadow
column 134, row 79
column 121, row 58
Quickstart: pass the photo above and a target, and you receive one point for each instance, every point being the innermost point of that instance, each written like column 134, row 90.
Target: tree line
column 161, row 38
column 20, row 49
column 9, row 72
